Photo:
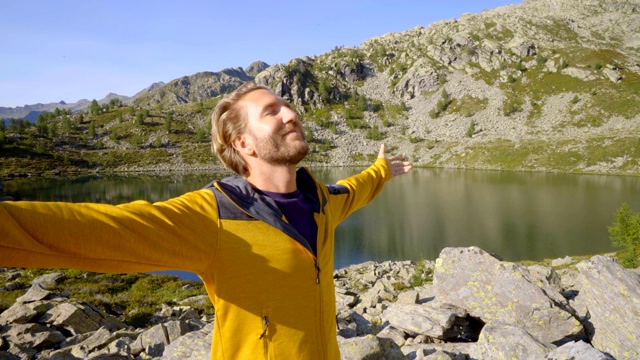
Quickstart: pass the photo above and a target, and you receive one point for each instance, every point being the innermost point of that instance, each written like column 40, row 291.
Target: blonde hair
column 227, row 122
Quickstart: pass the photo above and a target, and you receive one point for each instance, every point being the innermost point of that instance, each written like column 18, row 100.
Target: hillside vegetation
column 546, row 85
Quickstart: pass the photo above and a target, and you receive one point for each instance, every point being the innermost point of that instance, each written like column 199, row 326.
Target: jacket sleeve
column 362, row 189
column 179, row 234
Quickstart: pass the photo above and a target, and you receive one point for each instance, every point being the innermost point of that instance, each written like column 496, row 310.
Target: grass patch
column 468, row 106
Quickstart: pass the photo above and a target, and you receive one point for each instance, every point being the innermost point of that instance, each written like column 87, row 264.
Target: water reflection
column 517, row 215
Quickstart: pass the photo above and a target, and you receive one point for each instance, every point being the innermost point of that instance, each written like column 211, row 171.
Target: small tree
column 92, row 129
column 94, row 108
column 140, row 120
column 3, row 137
column 167, row 122
column 625, row 232
column 41, row 124
column 66, row 124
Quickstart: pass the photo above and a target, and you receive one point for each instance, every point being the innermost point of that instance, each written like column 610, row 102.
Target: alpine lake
column 517, row 215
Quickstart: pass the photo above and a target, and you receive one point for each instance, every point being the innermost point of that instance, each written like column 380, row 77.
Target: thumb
column 381, row 153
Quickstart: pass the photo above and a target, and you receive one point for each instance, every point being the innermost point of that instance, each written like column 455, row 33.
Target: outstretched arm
column 396, row 164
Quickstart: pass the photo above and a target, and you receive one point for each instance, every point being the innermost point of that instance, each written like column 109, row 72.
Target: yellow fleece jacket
column 273, row 298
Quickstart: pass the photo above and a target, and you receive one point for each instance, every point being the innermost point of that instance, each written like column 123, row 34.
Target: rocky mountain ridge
column 545, row 85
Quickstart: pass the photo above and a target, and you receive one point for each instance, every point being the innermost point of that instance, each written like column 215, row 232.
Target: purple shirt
column 298, row 213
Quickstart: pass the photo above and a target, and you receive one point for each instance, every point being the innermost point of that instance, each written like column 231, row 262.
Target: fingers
column 382, row 151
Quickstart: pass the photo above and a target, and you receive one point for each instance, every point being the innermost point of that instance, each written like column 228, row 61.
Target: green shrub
column 625, row 233
column 374, row 133
column 575, row 99
column 441, row 105
column 471, row 129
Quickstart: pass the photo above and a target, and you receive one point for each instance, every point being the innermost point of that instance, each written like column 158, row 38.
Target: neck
column 279, row 179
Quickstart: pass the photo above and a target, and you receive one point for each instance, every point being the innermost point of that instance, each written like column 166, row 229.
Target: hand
column 396, row 165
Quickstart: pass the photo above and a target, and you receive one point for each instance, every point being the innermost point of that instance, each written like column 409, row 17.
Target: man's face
column 274, row 129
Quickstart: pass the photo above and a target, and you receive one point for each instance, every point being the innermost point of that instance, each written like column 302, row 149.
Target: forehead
column 259, row 98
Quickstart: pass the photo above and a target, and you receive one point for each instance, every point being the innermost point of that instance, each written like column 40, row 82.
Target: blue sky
column 70, row 50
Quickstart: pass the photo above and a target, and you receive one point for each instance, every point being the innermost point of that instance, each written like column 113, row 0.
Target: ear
column 243, row 145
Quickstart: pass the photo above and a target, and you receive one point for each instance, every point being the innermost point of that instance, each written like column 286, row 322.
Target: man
column 262, row 242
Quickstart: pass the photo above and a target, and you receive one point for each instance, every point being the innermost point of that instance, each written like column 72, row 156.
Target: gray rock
column 176, row 329
column 562, row 262
column 345, row 299
column 408, row 297
column 612, row 295
column 396, row 335
column 457, row 351
column 195, row 345
column 501, row 341
column 98, row 340
column 117, row 349
column 73, row 319
column 433, row 319
column 36, row 292
column 33, row 336
column 155, row 340
column 612, row 75
column 369, row 347
column 20, row 313
column 379, row 292
column 47, row 281
column 584, row 75
column 495, row 291
column 578, row 350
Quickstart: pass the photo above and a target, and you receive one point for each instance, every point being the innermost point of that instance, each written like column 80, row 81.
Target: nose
column 288, row 115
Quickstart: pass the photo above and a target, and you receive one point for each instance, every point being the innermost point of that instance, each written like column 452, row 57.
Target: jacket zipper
column 321, row 224
column 264, row 337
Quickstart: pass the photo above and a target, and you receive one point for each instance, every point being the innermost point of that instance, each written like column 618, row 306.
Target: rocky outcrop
column 45, row 325
column 611, row 294
column 467, row 304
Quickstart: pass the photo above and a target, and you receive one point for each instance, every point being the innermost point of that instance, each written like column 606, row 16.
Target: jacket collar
column 239, row 191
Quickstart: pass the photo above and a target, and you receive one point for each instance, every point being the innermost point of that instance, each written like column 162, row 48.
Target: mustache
column 290, row 128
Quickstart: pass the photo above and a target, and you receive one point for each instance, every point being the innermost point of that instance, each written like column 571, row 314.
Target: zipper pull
column 317, row 272
column 265, row 326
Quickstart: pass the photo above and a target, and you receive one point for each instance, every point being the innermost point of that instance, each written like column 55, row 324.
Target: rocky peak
column 255, row 68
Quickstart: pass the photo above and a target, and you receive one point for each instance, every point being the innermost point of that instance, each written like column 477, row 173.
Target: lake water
column 517, row 215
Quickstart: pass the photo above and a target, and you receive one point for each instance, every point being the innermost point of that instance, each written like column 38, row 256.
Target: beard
column 277, row 150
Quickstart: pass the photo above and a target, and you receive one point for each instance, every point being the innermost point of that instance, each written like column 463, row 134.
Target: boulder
column 612, row 75
column 195, row 345
column 495, row 291
column 20, row 313
column 152, row 341
column 72, row 318
column 98, row 340
column 31, row 336
column 36, row 292
column 611, row 294
column 577, row 350
column 369, row 347
column 502, row 341
column 433, row 319
column 47, row 281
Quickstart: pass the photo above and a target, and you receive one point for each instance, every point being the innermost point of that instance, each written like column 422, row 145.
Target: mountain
column 31, row 112
column 545, row 85
column 198, row 87
column 149, row 88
